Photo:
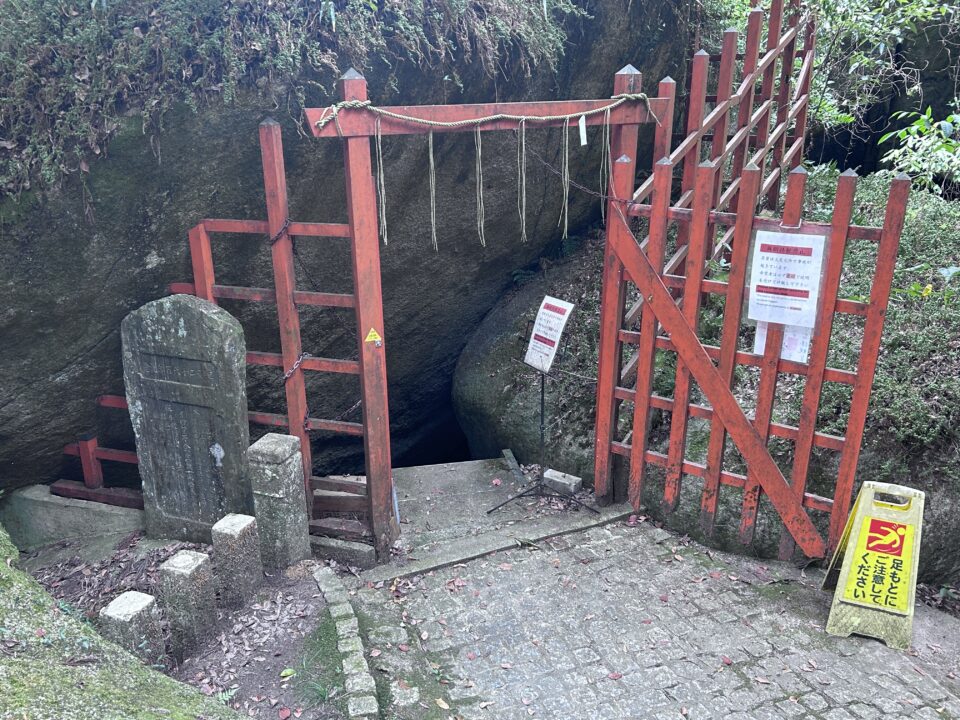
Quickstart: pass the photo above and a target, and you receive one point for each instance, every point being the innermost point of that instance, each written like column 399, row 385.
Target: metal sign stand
column 539, row 489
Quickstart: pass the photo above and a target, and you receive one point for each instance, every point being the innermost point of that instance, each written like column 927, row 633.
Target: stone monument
column 184, row 367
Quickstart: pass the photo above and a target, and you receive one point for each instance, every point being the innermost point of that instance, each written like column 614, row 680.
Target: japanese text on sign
column 880, row 573
column 785, row 278
column 547, row 329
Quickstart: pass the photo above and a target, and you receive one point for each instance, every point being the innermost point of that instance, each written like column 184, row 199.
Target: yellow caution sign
column 373, row 336
column 874, row 569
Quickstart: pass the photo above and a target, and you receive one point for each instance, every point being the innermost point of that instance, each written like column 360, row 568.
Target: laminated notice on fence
column 785, row 278
column 874, row 569
column 547, row 329
column 795, row 346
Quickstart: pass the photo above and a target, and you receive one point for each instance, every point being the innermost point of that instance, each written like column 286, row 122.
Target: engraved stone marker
column 184, row 367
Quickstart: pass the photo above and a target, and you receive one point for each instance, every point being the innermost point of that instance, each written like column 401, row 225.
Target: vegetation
column 69, row 71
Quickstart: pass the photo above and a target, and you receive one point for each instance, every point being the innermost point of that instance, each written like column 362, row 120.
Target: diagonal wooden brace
column 725, row 406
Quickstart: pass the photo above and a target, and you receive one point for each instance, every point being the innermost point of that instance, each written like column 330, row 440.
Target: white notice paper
column 795, row 346
column 785, row 278
column 547, row 329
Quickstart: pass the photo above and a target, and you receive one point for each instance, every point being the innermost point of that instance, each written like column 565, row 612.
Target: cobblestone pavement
column 626, row 622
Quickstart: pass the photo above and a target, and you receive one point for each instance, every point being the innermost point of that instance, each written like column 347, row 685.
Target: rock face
column 67, row 283
column 184, row 368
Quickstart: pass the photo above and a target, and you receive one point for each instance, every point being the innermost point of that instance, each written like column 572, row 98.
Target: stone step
column 336, row 501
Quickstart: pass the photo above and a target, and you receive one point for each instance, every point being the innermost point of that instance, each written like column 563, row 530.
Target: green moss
column 320, row 676
column 58, row 667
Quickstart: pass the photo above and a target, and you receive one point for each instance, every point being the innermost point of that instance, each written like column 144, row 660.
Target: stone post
column 236, row 559
column 132, row 621
column 189, row 600
column 276, row 476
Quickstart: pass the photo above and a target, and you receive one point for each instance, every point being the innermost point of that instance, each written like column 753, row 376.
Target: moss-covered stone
column 53, row 664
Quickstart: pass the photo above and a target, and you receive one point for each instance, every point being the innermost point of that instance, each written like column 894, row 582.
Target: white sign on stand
column 785, row 278
column 547, row 329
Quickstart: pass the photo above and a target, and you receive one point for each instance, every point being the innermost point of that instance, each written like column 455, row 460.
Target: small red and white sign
column 547, row 329
column 785, row 278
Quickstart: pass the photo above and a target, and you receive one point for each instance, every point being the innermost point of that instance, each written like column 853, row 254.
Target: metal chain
column 296, row 365
column 281, row 232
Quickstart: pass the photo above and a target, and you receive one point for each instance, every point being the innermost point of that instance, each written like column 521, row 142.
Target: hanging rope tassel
column 522, row 178
column 381, row 185
column 433, row 194
column 479, row 173
column 565, row 177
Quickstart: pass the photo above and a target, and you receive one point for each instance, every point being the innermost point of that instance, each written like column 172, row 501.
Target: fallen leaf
column 664, row 598
column 506, row 566
column 726, row 660
column 403, row 647
column 615, row 675
column 506, row 665
column 485, row 704
column 284, row 712
column 442, row 704
column 496, row 482
column 376, row 652
column 471, row 655
column 762, row 680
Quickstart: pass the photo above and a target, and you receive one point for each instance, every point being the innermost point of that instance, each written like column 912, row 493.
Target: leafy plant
column 70, row 71
column 928, row 149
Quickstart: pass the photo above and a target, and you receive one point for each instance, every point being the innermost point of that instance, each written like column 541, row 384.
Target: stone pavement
column 629, row 622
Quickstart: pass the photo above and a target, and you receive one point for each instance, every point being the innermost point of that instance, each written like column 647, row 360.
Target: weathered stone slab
column 132, row 621
column 276, row 476
column 189, row 600
column 236, row 556
column 184, row 367
column 562, row 482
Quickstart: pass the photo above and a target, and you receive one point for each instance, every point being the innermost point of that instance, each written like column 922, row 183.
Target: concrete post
column 236, row 556
column 189, row 600
column 276, row 476
column 132, row 621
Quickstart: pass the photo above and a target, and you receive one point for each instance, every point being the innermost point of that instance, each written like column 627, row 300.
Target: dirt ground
column 272, row 660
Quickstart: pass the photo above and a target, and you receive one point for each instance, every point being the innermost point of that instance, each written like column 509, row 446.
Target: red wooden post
column 876, row 313
column 766, row 88
column 732, row 311
column 695, row 108
column 623, row 150
column 663, row 135
column 201, row 259
column 284, row 280
column 809, row 48
column 783, row 107
column 89, row 463
column 820, row 344
column 646, row 352
column 371, row 338
column 745, row 111
column 701, row 236
column 769, row 367
column 728, row 61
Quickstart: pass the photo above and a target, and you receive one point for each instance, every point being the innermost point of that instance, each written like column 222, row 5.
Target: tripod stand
column 539, row 489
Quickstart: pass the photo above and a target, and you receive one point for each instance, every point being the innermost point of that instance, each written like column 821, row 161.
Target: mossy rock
column 55, row 665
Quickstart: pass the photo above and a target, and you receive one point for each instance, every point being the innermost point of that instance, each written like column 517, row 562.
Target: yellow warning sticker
column 372, row 336
column 880, row 570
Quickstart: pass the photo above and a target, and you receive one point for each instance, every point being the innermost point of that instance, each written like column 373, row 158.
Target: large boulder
column 79, row 258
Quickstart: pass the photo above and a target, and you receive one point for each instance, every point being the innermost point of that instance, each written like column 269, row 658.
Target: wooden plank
column 315, row 364
column 120, row 497
column 646, row 353
column 341, row 483
column 201, row 260
column 336, row 426
column 724, row 90
column 340, row 528
column 732, row 311
column 820, row 344
column 783, row 105
column 284, row 282
column 700, row 238
column 869, row 350
column 261, row 227
column 696, row 105
column 337, row 501
column 89, row 463
column 663, row 134
column 623, row 149
column 361, row 123
column 118, row 402
column 745, row 111
column 102, row 453
column 362, row 214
